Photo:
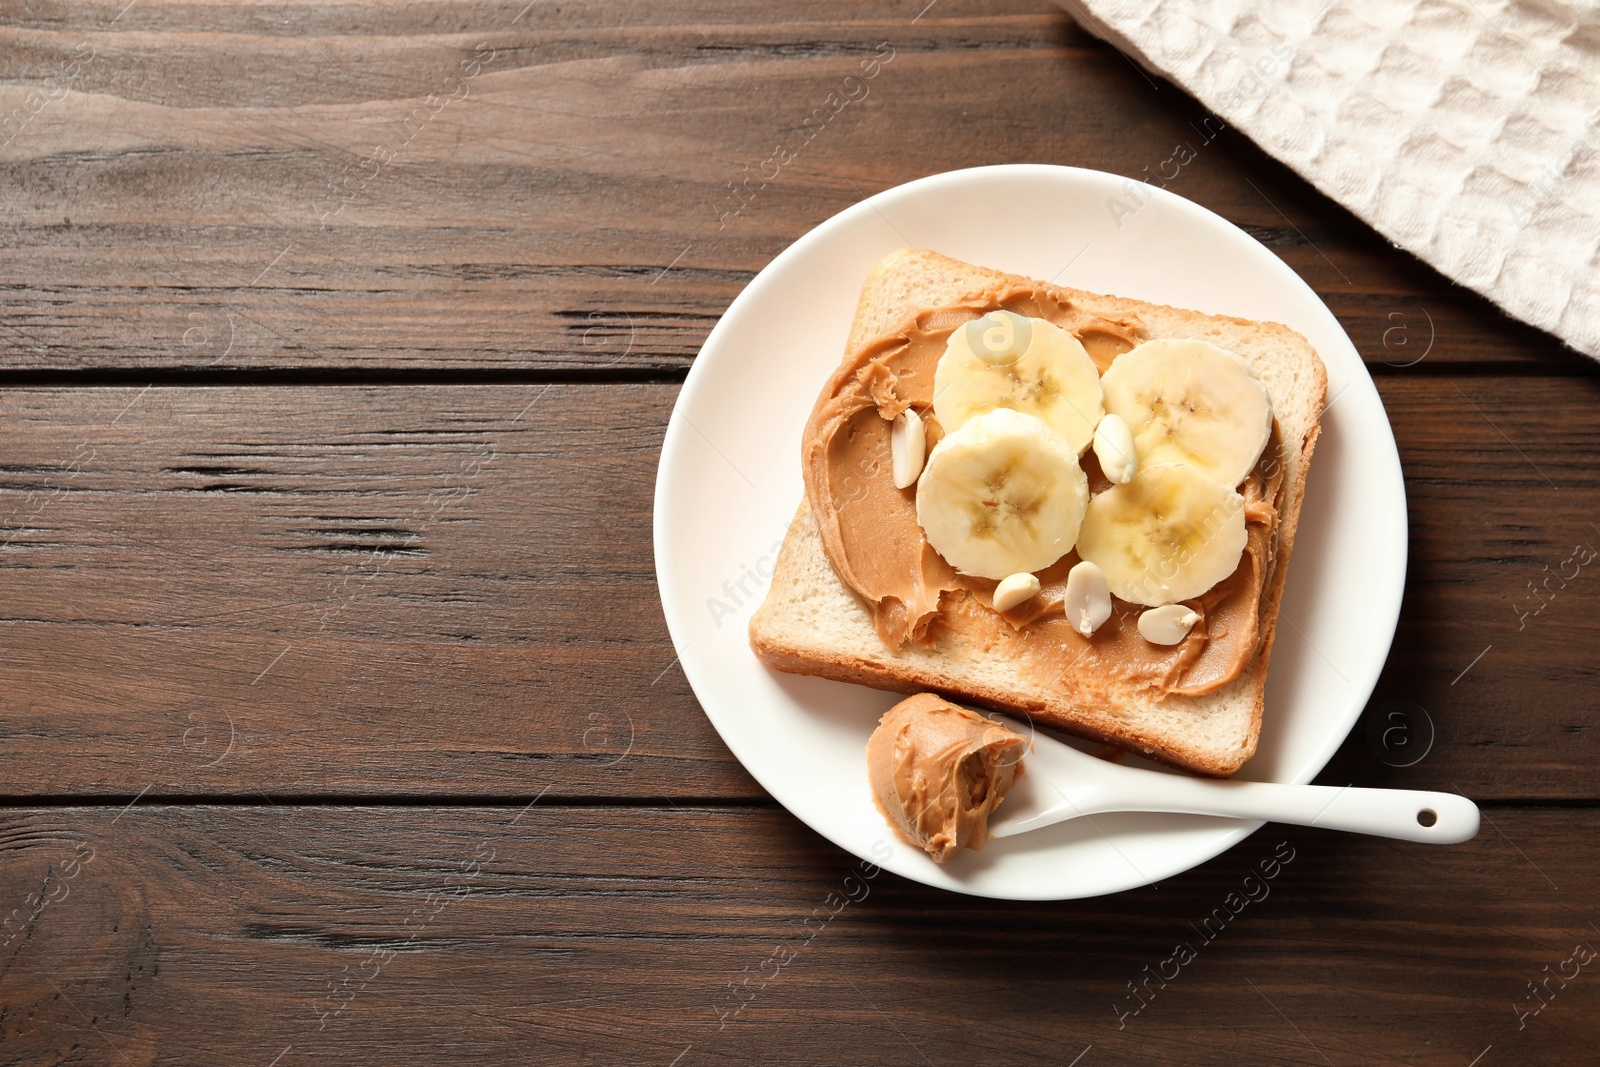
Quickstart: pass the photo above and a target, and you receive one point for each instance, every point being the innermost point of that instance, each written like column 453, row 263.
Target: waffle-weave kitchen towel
column 1465, row 131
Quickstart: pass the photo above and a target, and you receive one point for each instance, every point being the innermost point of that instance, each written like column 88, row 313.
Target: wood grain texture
column 499, row 185
column 1499, row 625
column 560, row 935
column 450, row 591
column 327, row 590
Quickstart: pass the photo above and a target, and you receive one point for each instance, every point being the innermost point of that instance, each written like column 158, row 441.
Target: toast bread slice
column 812, row 623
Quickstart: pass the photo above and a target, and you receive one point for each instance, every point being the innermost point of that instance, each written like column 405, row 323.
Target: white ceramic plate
column 730, row 480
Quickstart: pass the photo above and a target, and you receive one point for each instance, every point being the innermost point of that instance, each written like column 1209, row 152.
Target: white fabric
column 1463, row 130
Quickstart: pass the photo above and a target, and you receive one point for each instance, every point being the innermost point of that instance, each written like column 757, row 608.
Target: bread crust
column 812, row 623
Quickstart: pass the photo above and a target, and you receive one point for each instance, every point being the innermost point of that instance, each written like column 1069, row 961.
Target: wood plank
column 1498, row 628
column 299, row 935
column 411, row 590
column 249, row 194
column 370, row 590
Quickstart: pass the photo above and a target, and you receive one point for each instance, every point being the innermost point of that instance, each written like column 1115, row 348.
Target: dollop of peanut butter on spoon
column 938, row 772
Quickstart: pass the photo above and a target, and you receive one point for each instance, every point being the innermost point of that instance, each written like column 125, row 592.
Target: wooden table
column 340, row 721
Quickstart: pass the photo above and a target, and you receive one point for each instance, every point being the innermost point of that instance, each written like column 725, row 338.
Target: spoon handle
column 1406, row 814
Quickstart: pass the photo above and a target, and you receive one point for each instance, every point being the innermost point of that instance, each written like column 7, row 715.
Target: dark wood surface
column 326, row 485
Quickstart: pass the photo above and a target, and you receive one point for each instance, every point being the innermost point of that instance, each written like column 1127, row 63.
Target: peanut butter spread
column 870, row 532
column 938, row 772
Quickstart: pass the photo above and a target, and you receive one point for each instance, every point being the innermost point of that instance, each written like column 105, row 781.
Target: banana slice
column 1168, row 535
column 1001, row 494
column 1191, row 402
column 1053, row 379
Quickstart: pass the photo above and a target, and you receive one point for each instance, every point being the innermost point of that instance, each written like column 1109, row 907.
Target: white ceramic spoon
column 1061, row 783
